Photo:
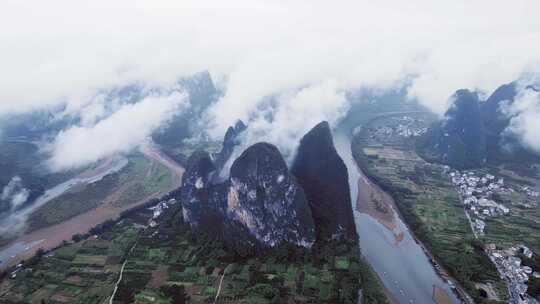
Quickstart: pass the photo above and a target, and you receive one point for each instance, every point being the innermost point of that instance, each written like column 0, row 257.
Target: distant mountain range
column 42, row 123
column 262, row 203
column 22, row 158
column 473, row 133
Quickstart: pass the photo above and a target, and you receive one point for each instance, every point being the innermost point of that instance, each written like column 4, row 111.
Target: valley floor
column 162, row 262
column 384, row 148
column 77, row 212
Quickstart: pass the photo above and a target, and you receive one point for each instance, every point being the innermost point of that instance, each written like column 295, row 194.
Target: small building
column 479, row 225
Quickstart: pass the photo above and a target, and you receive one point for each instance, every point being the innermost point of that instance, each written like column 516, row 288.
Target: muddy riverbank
column 26, row 245
column 387, row 244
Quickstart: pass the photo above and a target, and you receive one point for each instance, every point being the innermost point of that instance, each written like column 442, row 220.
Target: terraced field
column 168, row 261
column 165, row 263
column 82, row 272
column 522, row 224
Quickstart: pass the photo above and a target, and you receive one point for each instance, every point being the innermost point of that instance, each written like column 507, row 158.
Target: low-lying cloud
column 125, row 129
column 283, row 119
column 525, row 121
column 14, row 193
column 64, row 51
column 292, row 114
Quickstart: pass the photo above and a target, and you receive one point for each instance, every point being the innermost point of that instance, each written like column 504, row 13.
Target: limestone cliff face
column 201, row 200
column 267, row 199
column 261, row 204
column 324, row 177
column 503, row 146
column 229, row 143
column 459, row 140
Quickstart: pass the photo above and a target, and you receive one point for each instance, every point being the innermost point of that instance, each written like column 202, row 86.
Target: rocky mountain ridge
column 459, row 139
column 324, row 177
column 262, row 203
column 474, row 132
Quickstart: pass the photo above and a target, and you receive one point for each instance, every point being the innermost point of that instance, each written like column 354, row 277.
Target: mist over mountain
column 78, row 84
column 459, row 139
column 497, row 130
column 502, row 144
column 262, row 203
column 231, row 140
column 184, row 124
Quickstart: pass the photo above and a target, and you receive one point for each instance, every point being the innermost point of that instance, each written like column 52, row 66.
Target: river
column 17, row 220
column 49, row 237
column 400, row 263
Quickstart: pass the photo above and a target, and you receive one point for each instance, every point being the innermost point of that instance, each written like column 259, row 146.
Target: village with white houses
column 404, row 126
column 159, row 209
column 476, row 191
column 509, row 265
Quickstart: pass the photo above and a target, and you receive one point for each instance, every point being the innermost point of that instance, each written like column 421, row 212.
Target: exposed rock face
column 503, row 146
column 229, row 143
column 324, row 178
column 201, row 201
column 495, row 121
column 459, row 140
column 472, row 134
column 261, row 204
column 265, row 198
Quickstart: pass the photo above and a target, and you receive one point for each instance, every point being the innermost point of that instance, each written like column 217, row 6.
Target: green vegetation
column 181, row 153
column 142, row 179
column 522, row 224
column 73, row 203
column 83, row 272
column 137, row 181
column 23, row 158
column 425, row 198
column 169, row 264
column 329, row 273
column 372, row 290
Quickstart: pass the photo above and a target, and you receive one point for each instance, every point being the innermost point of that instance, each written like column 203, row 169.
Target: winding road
column 221, row 283
column 121, row 273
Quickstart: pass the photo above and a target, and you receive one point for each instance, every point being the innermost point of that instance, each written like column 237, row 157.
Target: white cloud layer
column 293, row 114
column 64, row 50
column 285, row 118
column 525, row 121
column 120, row 132
column 15, row 193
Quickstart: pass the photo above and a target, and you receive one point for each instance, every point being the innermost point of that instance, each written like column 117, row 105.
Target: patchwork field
column 167, row 264
column 522, row 224
column 83, row 272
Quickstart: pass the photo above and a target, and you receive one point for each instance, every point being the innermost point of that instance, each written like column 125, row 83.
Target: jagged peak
column 260, row 154
column 321, row 134
column 239, row 126
column 199, row 165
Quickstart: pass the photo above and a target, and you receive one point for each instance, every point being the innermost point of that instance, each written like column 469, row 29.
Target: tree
column 175, row 292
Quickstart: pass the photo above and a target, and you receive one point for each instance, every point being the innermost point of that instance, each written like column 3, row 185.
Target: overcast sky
column 306, row 52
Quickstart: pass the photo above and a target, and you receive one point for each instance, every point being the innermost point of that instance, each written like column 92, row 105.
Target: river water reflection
column 400, row 263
